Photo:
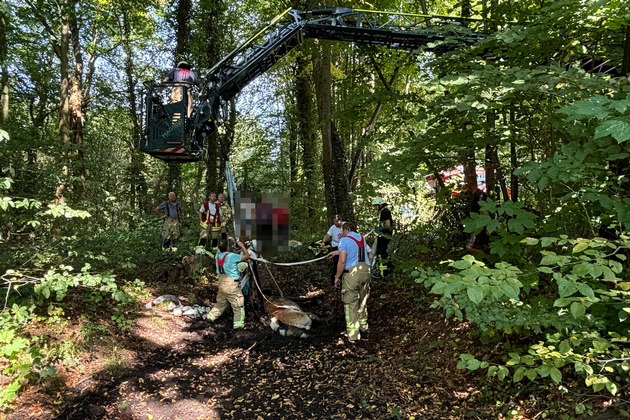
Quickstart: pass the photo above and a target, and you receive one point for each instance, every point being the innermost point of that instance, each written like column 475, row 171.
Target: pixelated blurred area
column 265, row 218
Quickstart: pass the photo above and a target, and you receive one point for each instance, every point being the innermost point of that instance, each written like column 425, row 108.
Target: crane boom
column 261, row 51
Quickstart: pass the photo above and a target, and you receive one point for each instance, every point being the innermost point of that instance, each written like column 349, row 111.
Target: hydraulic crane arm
column 173, row 133
column 394, row 30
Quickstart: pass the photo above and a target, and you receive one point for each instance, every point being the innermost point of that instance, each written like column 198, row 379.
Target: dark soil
column 173, row 368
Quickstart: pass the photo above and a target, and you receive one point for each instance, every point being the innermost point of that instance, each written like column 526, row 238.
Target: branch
column 10, row 279
column 621, row 359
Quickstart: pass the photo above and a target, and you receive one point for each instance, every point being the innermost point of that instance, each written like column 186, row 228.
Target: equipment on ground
column 178, row 117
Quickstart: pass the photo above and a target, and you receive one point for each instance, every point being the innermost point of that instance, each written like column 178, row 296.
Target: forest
column 531, row 98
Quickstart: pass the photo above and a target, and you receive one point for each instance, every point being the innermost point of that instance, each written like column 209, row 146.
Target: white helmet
column 378, row 201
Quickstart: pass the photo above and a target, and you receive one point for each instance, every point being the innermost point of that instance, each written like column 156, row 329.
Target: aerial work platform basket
column 167, row 130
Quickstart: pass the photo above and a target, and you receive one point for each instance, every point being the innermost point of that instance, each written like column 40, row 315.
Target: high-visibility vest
column 206, row 214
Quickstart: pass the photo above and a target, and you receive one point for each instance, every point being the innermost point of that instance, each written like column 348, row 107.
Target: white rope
column 262, row 260
column 274, row 281
column 231, row 185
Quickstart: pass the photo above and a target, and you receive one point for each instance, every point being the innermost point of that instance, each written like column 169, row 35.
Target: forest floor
column 170, row 367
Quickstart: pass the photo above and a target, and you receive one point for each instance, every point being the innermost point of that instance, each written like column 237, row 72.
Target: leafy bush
column 574, row 306
column 43, row 301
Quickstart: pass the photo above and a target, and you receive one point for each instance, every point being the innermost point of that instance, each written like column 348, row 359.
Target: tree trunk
column 323, row 81
column 292, row 135
column 336, row 186
column 137, row 182
column 77, row 106
column 174, row 178
column 64, row 107
column 490, row 167
column 182, row 29
column 218, row 145
column 4, row 72
column 307, row 135
column 513, row 163
column 211, row 159
column 625, row 65
column 513, row 178
column 490, row 163
column 469, row 160
column 343, row 201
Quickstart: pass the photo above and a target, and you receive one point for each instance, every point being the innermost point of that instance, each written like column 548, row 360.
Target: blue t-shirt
column 352, row 249
column 230, row 264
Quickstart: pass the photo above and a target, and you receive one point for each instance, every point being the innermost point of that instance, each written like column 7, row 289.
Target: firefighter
column 229, row 283
column 353, row 275
column 182, row 77
column 478, row 243
column 210, row 221
column 384, row 231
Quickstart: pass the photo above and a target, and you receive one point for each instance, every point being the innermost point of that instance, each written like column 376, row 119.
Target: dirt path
column 171, row 368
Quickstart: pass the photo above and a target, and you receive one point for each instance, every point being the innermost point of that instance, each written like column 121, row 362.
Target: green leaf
column 475, row 294
column 542, row 183
column 555, row 374
column 492, row 370
column 592, row 107
column 562, row 302
column 581, row 269
column 518, row 375
column 473, row 364
column 531, row 374
column 581, row 246
column 510, row 290
column 543, row 370
column 566, row 287
column 6, row 336
column 565, row 347
column 586, row 290
column 611, row 387
column 618, row 129
column 530, row 241
column 578, row 309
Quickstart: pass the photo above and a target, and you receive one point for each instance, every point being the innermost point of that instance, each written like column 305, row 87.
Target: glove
column 379, row 230
column 203, row 225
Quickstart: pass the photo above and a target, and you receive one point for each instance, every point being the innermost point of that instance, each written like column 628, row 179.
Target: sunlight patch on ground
column 218, row 359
